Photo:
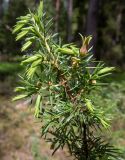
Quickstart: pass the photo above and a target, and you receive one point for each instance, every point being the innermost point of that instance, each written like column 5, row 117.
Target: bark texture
column 69, row 19
column 57, row 7
column 92, row 20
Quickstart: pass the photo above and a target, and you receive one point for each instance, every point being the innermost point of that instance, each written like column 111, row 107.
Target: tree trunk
column 80, row 19
column 1, row 10
column 69, row 19
column 118, row 24
column 57, row 6
column 37, row 1
column 92, row 19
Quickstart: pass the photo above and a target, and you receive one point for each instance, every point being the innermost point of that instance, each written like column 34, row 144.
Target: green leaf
column 19, row 89
column 40, row 9
column 105, row 70
column 31, row 71
column 17, row 28
column 87, row 40
column 20, row 97
column 24, row 21
column 27, row 28
column 89, row 105
column 26, row 17
column 36, row 63
column 37, row 106
column 31, row 38
column 104, row 123
column 32, row 59
column 66, row 51
column 26, row 45
column 21, row 35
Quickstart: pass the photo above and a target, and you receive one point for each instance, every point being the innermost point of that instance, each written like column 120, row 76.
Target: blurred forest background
column 105, row 21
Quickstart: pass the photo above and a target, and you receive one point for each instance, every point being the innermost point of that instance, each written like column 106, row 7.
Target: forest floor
column 20, row 134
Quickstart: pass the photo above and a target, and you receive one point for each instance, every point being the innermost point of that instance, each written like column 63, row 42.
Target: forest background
column 105, row 21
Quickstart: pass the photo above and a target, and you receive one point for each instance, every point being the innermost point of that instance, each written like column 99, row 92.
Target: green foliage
column 7, row 44
column 15, row 9
column 62, row 78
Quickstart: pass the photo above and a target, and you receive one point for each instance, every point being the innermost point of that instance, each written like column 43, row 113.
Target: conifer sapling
column 62, row 77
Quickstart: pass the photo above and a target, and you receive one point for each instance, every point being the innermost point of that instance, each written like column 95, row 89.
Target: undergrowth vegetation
column 7, row 68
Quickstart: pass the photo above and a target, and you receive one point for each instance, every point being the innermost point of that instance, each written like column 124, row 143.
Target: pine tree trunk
column 85, row 141
column 37, row 1
column 118, row 24
column 1, row 10
column 92, row 19
column 57, row 6
column 80, row 19
column 69, row 19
